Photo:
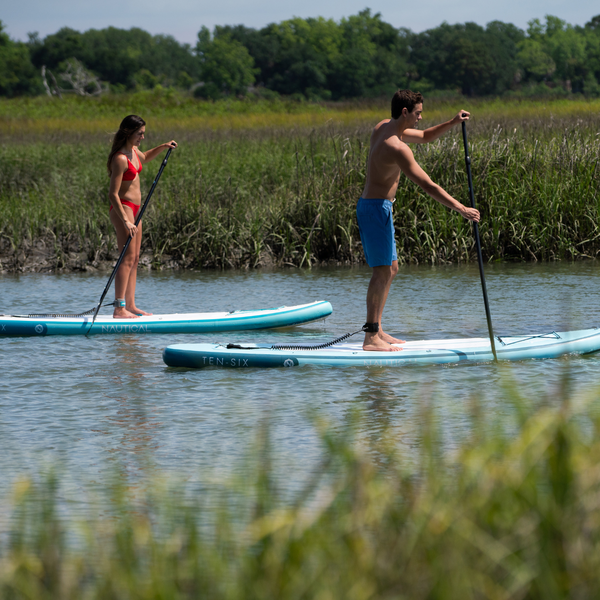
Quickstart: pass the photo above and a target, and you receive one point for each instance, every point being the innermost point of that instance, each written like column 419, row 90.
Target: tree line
column 360, row 56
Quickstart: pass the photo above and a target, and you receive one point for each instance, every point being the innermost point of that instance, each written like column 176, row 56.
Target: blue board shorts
column 376, row 227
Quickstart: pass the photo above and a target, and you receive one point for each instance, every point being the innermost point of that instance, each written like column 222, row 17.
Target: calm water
column 108, row 405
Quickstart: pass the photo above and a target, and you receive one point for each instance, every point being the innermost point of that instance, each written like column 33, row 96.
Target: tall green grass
column 511, row 512
column 285, row 194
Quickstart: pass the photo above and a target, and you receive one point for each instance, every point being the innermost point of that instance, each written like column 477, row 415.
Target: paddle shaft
column 478, row 243
column 137, row 221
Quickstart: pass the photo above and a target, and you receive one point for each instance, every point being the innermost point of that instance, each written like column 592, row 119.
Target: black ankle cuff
column 371, row 327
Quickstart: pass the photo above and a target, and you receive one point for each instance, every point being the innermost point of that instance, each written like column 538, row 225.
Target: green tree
column 536, row 64
column 166, row 57
column 503, row 42
column 594, row 24
column 56, row 48
column 145, row 79
column 373, row 58
column 17, row 73
column 119, row 55
column 475, row 60
column 567, row 47
column 116, row 55
column 262, row 47
column 564, row 44
column 302, row 54
column 319, row 58
column 592, row 51
column 226, row 66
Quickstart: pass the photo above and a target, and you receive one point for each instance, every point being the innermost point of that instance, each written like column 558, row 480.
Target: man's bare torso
column 383, row 168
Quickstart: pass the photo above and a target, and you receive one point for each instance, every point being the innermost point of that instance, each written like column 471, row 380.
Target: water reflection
column 106, row 403
column 132, row 423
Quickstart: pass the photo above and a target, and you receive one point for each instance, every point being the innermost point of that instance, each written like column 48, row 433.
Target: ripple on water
column 102, row 406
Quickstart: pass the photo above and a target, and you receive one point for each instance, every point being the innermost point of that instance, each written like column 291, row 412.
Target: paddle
column 477, row 241
column 137, row 221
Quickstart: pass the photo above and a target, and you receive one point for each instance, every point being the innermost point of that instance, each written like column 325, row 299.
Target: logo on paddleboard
column 39, row 329
column 288, row 362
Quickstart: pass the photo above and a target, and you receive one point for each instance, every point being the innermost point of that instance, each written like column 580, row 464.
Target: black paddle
column 137, row 220
column 477, row 241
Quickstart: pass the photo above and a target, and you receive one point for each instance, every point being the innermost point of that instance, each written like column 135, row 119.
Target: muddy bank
column 68, row 253
column 50, row 254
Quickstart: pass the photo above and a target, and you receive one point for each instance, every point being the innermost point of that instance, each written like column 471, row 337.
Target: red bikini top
column 131, row 172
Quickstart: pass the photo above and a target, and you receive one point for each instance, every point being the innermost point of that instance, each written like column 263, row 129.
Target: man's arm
column 415, row 136
column 415, row 173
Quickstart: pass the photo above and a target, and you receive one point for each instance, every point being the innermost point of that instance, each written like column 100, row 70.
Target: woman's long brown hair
column 129, row 125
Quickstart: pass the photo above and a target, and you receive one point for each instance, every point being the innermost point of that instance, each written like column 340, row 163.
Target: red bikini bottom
column 134, row 207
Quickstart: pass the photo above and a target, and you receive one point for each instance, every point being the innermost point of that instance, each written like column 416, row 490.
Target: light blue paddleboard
column 548, row 345
column 237, row 320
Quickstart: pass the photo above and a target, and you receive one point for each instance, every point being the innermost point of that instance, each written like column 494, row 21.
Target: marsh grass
column 509, row 512
column 282, row 190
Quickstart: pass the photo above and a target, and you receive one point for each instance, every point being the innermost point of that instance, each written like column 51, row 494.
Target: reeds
column 510, row 512
column 286, row 194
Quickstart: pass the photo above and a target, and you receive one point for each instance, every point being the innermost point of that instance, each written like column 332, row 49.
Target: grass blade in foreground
column 509, row 511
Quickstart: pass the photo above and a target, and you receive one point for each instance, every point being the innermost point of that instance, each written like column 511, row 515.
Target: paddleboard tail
column 538, row 346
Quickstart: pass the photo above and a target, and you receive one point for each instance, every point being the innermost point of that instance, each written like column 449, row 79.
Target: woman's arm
column 154, row 152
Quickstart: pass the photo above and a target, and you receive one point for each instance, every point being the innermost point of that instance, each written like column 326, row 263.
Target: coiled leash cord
column 366, row 328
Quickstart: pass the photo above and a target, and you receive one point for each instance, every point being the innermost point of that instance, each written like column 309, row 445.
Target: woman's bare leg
column 130, row 292
column 125, row 270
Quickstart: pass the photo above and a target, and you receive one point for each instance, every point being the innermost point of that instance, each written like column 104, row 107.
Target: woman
column 124, row 165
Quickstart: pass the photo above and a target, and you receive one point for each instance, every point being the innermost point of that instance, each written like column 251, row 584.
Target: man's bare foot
column 386, row 337
column 374, row 343
column 123, row 313
column 139, row 312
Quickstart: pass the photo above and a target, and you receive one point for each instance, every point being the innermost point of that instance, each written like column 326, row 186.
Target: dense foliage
column 316, row 58
column 258, row 188
column 17, row 73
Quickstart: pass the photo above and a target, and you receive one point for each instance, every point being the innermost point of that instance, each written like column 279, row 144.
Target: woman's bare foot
column 374, row 342
column 122, row 313
column 386, row 337
column 139, row 312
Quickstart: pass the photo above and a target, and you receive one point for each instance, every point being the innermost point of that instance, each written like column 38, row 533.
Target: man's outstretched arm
column 415, row 173
column 415, row 136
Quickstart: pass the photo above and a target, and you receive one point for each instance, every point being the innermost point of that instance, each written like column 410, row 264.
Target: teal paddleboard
column 237, row 320
column 546, row 345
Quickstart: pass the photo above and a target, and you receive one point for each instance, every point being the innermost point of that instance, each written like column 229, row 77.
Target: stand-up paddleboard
column 237, row 320
column 547, row 345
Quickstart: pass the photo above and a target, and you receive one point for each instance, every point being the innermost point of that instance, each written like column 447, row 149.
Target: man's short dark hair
column 405, row 99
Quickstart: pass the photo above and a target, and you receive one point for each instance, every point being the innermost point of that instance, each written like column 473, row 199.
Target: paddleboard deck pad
column 237, row 320
column 546, row 345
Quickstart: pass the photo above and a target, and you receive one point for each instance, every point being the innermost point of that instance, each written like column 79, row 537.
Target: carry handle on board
column 137, row 221
column 478, row 242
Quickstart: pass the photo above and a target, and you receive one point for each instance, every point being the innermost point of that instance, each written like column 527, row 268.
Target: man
column 389, row 156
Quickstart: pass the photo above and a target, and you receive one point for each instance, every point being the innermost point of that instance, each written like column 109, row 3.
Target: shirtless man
column 390, row 156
